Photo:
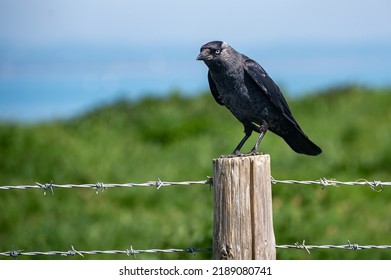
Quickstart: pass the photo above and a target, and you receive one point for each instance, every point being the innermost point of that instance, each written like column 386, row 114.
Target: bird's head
column 213, row 52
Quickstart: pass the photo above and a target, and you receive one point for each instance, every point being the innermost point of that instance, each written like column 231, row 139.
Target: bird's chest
column 237, row 93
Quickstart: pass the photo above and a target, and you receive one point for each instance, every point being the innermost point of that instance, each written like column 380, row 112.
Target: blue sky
column 58, row 58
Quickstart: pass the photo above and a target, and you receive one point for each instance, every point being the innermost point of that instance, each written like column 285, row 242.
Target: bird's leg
column 247, row 131
column 262, row 131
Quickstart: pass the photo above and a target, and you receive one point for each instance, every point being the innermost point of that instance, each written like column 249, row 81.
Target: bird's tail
column 300, row 143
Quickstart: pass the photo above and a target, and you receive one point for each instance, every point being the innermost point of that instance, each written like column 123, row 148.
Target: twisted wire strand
column 349, row 246
column 101, row 186
column 74, row 252
column 323, row 182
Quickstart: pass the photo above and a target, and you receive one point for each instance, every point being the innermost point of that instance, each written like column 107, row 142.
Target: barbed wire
column 349, row 246
column 377, row 186
column 323, row 182
column 74, row 252
column 132, row 252
column 101, row 186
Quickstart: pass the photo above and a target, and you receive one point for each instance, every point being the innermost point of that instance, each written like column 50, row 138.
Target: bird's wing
column 268, row 87
column 213, row 89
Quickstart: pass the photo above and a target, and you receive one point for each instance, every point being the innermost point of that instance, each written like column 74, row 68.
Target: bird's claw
column 255, row 153
column 237, row 153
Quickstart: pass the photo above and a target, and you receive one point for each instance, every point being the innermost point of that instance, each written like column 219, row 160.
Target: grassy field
column 175, row 139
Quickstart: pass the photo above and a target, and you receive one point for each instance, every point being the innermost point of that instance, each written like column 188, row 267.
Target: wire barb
column 14, row 253
column 159, row 184
column 353, row 246
column 302, row 246
column 45, row 187
column 131, row 252
column 210, row 182
column 98, row 186
column 73, row 252
column 374, row 185
column 195, row 250
column 326, row 183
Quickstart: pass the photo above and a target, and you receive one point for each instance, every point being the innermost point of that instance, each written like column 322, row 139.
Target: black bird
column 243, row 86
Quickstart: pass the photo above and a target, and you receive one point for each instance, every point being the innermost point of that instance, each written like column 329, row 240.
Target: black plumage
column 243, row 86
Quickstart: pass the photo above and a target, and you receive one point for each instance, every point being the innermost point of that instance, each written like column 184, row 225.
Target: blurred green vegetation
column 175, row 138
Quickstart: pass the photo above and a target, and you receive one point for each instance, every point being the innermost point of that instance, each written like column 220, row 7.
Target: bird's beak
column 204, row 55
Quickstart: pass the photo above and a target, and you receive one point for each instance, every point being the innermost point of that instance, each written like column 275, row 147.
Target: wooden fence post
column 243, row 221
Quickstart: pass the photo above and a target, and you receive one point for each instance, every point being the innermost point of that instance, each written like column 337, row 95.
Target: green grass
column 175, row 139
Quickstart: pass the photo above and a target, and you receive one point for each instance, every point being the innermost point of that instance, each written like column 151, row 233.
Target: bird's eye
column 217, row 51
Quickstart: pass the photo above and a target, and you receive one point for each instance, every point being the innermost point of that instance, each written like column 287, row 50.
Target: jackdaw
column 243, row 86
